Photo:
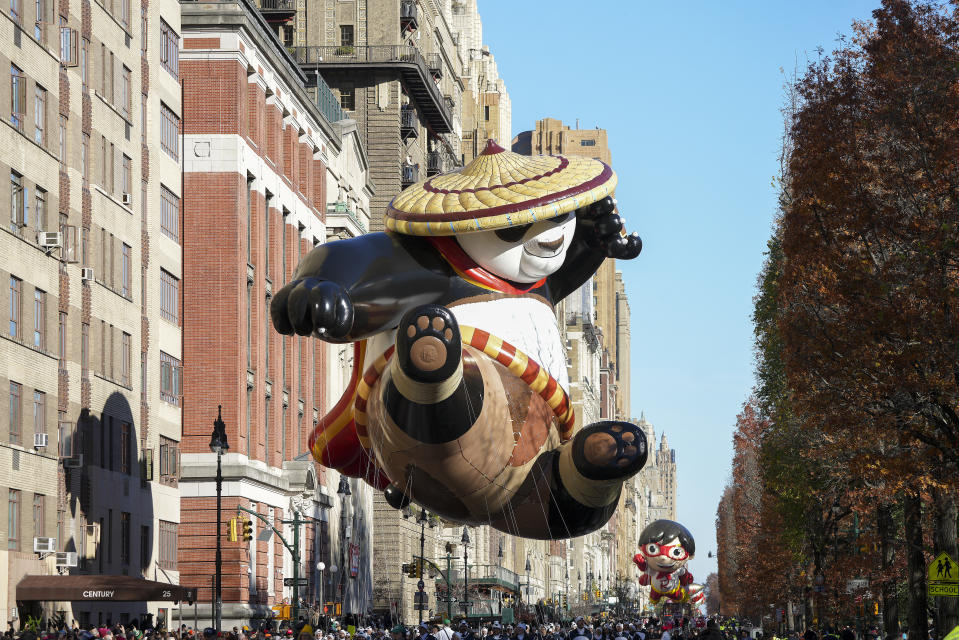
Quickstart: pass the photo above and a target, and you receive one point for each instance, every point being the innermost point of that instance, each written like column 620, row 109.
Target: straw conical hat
column 499, row 189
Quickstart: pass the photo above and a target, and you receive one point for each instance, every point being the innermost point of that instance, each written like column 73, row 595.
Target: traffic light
column 247, row 530
column 409, row 570
column 231, row 536
column 875, row 608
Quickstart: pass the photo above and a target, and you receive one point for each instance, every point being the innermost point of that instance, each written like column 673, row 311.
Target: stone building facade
column 90, row 256
column 395, row 69
column 271, row 170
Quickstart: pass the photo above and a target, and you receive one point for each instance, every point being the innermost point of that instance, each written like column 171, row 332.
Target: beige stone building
column 90, row 256
column 487, row 111
column 395, row 69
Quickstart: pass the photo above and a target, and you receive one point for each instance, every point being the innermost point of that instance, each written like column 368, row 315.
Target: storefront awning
column 100, row 588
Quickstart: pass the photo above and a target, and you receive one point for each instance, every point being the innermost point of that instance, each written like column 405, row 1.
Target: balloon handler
column 664, row 549
column 458, row 398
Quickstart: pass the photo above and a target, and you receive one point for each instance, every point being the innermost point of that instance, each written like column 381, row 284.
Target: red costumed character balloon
column 664, row 549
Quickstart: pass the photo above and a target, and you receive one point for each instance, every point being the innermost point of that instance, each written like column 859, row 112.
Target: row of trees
column 846, row 466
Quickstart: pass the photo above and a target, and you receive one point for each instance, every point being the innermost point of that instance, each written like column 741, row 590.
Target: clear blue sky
column 690, row 93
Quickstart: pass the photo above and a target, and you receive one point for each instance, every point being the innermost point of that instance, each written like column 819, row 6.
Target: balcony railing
column 277, row 5
column 408, row 123
column 407, row 59
column 327, row 102
column 410, row 174
column 408, row 15
column 435, row 64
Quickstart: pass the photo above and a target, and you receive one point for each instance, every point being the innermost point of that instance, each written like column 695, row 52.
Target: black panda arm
column 348, row 290
column 598, row 236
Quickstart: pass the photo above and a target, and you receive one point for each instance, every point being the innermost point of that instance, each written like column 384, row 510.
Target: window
column 41, row 15
column 62, row 339
column 126, row 442
column 144, row 31
column 18, row 96
column 40, row 115
column 143, row 118
column 18, row 201
column 39, row 318
column 167, row 545
column 169, row 214
column 13, row 520
column 169, row 297
column 110, row 72
column 169, row 46
column 39, row 519
column 124, row 537
column 63, row 139
column 145, row 547
column 40, row 210
column 266, row 233
column 348, row 98
column 143, row 376
column 39, row 412
column 126, row 176
column 85, row 157
column 85, row 62
column 171, row 372
column 169, row 132
column 16, row 288
column 125, row 14
column 125, row 359
column 346, row 35
column 587, row 143
column 16, row 412
column 486, row 112
column 125, row 85
column 126, row 274
column 169, row 459
column 85, row 345
column 16, row 11
column 69, row 54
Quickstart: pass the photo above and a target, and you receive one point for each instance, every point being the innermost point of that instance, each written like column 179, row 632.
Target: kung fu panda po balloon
column 459, row 392
column 664, row 549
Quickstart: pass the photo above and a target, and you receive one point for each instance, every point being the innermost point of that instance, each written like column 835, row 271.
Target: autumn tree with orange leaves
column 857, row 335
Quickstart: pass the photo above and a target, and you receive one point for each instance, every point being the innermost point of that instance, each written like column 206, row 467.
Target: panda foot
column 609, row 450
column 428, row 345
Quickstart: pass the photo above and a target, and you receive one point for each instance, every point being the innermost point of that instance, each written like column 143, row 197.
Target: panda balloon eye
column 513, row 234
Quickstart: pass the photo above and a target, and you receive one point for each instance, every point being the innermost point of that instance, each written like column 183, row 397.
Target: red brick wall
column 218, row 99
column 214, row 92
column 214, row 307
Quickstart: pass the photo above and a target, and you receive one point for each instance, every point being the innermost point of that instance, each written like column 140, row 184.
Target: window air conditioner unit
column 44, row 545
column 49, row 239
column 66, row 558
column 75, row 462
column 86, row 274
column 127, row 198
column 40, row 440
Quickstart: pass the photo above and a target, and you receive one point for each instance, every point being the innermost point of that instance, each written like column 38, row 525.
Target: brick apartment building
column 263, row 166
column 90, row 261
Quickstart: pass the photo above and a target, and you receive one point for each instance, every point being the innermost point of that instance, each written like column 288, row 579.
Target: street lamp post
column 321, row 566
column 419, row 563
column 466, row 573
column 218, row 444
column 343, row 490
column 527, row 578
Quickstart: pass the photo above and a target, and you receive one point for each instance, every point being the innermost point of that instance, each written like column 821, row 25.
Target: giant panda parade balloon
column 664, row 549
column 459, row 394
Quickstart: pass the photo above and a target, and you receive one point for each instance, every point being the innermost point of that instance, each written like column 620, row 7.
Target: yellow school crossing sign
column 942, row 577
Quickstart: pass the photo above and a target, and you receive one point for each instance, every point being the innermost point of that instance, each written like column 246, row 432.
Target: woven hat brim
column 507, row 215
